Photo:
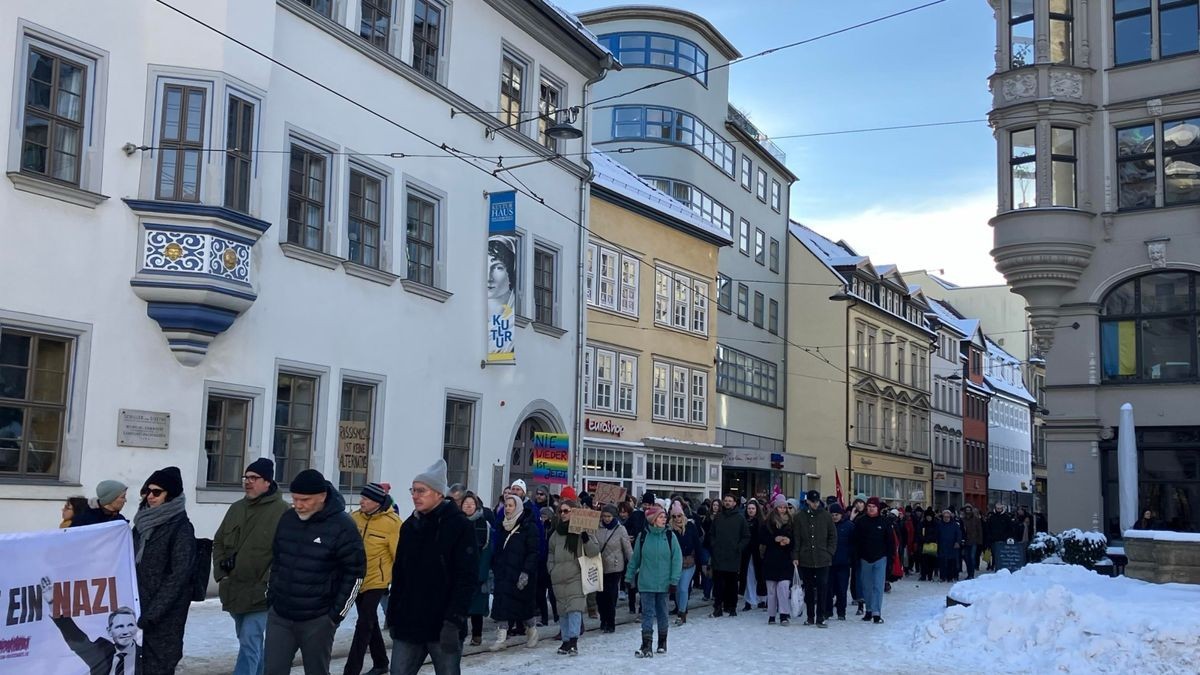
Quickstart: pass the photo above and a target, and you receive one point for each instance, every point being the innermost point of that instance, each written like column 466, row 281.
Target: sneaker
column 565, row 648
column 476, row 640
column 877, row 619
column 746, row 607
column 717, row 613
column 822, row 624
column 783, row 621
column 770, row 621
column 809, row 621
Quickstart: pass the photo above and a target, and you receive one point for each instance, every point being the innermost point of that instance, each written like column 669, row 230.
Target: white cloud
column 950, row 236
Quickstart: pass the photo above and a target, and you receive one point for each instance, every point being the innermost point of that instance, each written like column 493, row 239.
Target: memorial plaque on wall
column 143, row 429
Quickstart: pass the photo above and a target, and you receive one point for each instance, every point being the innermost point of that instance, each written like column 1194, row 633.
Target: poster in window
column 501, row 276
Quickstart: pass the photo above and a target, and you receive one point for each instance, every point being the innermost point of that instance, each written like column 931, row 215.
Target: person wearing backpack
column 242, row 560
column 164, row 544
column 655, row 568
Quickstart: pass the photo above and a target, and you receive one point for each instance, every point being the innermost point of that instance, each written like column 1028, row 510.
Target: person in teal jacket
column 656, row 565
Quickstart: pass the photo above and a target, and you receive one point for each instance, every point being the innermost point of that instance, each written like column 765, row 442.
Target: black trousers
column 816, row 592
column 839, row 577
column 545, row 596
column 314, row 639
column 606, row 600
column 367, row 633
column 725, row 590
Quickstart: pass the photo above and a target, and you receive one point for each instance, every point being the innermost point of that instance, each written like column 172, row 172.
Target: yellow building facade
column 649, row 375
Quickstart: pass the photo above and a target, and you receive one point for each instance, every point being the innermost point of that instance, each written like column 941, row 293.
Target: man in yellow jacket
column 379, row 527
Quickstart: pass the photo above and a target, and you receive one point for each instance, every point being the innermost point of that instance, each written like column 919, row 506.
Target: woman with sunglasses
column 565, row 551
column 164, row 545
column 688, row 535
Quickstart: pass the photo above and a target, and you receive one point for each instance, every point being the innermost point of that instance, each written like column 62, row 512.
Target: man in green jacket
column 816, row 542
column 731, row 535
column 242, row 560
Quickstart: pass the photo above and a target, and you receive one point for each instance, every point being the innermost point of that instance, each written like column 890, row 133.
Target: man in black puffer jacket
column 434, row 576
column 317, row 568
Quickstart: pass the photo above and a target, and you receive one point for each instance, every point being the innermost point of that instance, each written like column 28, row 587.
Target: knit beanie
column 546, row 513
column 168, row 479
column 108, row 491
column 309, row 482
column 435, row 477
column 374, row 492
column 779, row 501
column 518, row 483
column 676, row 510
column 263, row 467
column 609, row 509
column 648, row 498
column 874, row 501
column 568, row 492
column 836, row 508
column 653, row 512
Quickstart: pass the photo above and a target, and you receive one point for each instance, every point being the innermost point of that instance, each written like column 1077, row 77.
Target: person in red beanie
column 568, row 492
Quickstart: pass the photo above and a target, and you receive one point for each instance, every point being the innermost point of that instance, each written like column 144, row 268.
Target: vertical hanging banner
column 551, row 457
column 501, row 276
column 70, row 601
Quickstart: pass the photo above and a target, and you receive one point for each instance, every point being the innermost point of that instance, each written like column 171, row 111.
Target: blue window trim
column 699, row 73
column 675, row 130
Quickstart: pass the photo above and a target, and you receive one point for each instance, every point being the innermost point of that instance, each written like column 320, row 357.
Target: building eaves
column 571, row 23
column 657, row 13
column 614, row 179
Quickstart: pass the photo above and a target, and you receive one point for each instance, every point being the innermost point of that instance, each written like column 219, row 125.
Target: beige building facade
column 1097, row 127
column 649, row 383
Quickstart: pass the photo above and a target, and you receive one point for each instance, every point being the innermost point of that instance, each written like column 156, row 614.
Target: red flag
column 838, row 481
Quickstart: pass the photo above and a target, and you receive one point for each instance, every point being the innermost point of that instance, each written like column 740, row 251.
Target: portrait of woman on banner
column 501, row 295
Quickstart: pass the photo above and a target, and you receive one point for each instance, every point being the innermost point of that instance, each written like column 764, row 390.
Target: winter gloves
column 522, row 581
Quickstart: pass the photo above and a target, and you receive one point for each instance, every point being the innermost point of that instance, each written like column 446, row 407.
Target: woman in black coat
column 752, row 554
column 515, row 572
column 775, row 542
column 164, row 544
column 927, row 539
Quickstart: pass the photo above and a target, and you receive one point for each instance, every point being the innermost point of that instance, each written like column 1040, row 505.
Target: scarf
column 572, row 539
column 780, row 520
column 147, row 519
column 510, row 519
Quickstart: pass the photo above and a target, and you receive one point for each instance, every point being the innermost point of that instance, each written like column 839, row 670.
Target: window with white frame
column 612, row 279
column 59, row 119
column 760, row 187
column 550, row 101
column 458, row 438
column 375, row 22
column 680, row 394
column 428, row 28
column 512, row 89
column 357, row 409
column 747, row 172
column 181, row 142
column 308, row 176
column 699, row 307
column 760, row 247
column 610, row 380
column 776, row 195
column 422, row 225
column 773, row 258
column 680, row 301
column 364, row 227
column 744, row 237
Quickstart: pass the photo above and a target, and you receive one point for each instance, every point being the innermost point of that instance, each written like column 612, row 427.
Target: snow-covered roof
column 616, row 177
column 831, row 254
column 582, row 30
column 997, row 382
column 964, row 326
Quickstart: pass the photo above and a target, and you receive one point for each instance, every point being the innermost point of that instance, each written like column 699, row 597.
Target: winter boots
column 501, row 639
column 644, row 652
column 682, row 619
column 570, row 647
column 783, row 619
column 662, row 642
column 532, row 640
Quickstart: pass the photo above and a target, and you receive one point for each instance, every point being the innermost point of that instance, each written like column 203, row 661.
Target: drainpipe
column 580, row 292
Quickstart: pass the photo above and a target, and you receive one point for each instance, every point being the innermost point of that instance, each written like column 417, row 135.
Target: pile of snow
column 1067, row 619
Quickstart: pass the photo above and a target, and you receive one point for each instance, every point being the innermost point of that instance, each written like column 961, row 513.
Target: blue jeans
column 407, row 658
column 683, row 588
column 251, row 629
column 971, row 553
column 654, row 605
column 571, row 624
column 871, row 577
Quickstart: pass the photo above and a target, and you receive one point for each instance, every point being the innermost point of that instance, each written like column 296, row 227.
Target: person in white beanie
column 433, row 579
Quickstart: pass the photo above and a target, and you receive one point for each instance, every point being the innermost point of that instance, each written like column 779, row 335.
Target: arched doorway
column 520, row 459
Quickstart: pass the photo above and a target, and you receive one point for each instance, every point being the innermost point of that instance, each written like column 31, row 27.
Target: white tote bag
column 797, row 595
column 591, row 572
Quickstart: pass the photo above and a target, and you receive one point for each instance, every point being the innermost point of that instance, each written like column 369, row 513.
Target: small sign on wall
column 143, row 429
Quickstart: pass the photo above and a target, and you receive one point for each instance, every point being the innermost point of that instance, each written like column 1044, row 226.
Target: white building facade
column 946, row 415
column 1010, row 424
column 255, row 231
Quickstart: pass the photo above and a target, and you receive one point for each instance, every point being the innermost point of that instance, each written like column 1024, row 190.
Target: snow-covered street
column 1046, row 618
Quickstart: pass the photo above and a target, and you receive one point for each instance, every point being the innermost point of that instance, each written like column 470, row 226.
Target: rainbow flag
column 551, row 457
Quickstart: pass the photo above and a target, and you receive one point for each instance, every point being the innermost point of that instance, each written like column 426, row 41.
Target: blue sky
column 918, row 198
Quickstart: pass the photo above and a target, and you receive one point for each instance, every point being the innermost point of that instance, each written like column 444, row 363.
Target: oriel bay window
column 746, row 376
column 1020, row 33
column 239, row 148
column 1062, row 166
column 1062, row 31
column 34, row 372
column 657, row 50
column 1148, row 329
column 1024, row 167
column 668, row 125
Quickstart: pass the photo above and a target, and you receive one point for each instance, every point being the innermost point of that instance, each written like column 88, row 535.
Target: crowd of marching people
column 288, row 575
